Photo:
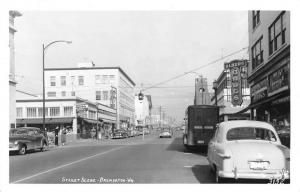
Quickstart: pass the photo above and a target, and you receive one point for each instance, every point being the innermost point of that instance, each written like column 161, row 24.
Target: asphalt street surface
column 131, row 160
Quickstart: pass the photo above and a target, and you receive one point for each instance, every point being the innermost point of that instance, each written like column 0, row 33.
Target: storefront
column 84, row 127
column 50, row 123
column 270, row 92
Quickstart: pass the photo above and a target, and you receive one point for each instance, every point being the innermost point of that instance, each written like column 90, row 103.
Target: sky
column 150, row 46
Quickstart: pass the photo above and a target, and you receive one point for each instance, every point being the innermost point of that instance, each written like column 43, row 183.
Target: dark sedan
column 26, row 138
column 120, row 134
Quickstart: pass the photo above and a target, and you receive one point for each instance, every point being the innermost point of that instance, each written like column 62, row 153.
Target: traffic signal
column 141, row 96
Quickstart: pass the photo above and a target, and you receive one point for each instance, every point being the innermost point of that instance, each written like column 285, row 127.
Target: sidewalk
column 71, row 141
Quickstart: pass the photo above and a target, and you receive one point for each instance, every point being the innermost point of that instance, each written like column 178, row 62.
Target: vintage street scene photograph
column 149, row 97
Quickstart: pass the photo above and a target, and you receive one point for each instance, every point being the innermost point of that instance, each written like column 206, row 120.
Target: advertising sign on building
column 279, row 80
column 259, row 91
column 81, row 110
column 238, row 71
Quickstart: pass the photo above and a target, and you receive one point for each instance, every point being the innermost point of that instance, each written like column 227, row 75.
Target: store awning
column 108, row 121
column 91, row 121
column 261, row 103
column 47, row 120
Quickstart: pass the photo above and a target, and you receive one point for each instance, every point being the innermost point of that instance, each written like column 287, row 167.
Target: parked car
column 27, row 138
column 284, row 135
column 165, row 133
column 119, row 134
column 246, row 149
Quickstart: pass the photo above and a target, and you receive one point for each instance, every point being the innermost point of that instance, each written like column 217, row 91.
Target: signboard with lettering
column 259, row 91
column 238, row 71
column 279, row 80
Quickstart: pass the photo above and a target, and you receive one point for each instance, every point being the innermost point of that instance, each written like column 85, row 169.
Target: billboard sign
column 238, row 72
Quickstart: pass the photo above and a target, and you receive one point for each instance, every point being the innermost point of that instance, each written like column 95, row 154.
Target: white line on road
column 187, row 166
column 65, row 165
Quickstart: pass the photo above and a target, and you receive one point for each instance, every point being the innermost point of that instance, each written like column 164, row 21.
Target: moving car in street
column 26, row 138
column 245, row 149
column 165, row 133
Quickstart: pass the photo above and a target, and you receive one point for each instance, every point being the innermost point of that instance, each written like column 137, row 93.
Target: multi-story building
column 269, row 69
column 78, row 115
column 228, row 110
column 12, row 80
column 202, row 96
column 143, row 110
column 110, row 86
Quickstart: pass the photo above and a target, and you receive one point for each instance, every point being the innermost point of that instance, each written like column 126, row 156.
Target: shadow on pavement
column 177, row 145
column 203, row 174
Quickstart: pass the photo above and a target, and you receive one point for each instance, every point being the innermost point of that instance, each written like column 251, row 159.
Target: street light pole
column 44, row 49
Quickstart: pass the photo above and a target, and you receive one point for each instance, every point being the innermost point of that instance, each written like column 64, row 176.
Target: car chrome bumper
column 14, row 148
column 268, row 174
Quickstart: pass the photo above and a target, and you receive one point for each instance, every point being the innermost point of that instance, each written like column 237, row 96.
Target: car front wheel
column 22, row 150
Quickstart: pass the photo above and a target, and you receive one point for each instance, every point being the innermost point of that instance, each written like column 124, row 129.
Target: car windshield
column 18, row 132
column 165, row 130
column 250, row 133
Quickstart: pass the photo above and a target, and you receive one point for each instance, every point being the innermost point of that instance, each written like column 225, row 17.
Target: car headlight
column 16, row 142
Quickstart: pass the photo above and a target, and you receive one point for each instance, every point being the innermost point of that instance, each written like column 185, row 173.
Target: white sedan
column 246, row 149
column 165, row 134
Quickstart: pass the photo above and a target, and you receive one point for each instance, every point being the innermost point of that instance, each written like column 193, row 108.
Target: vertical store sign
column 238, row 72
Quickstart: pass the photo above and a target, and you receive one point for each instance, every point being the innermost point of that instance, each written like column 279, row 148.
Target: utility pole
column 159, row 116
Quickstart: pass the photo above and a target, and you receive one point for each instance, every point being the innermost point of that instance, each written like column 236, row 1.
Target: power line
column 178, row 76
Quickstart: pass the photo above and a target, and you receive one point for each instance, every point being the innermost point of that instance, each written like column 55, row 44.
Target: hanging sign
column 238, row 72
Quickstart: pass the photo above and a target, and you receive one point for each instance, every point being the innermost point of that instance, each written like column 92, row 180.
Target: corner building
column 109, row 86
column 269, row 69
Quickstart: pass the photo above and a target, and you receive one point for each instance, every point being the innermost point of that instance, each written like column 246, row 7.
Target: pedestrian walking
column 63, row 135
column 56, row 131
column 93, row 133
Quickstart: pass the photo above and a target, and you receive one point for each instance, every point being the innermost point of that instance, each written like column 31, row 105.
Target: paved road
column 131, row 160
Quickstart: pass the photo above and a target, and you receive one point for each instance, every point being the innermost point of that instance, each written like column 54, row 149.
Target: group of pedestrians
column 63, row 135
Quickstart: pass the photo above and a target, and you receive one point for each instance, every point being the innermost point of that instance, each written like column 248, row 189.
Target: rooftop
column 89, row 68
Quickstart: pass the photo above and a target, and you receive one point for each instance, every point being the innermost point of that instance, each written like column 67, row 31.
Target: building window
column 98, row 95
column 40, row 112
column 92, row 114
column 277, row 33
column 54, row 111
column 19, row 112
column 68, row 111
column 255, row 18
column 31, row 111
column 97, row 79
column 112, row 78
column 52, row 81
column 105, row 95
column 72, row 93
column 257, row 54
column 105, row 79
column 63, row 93
column 80, row 80
column 51, row 94
column 63, row 80
column 72, row 80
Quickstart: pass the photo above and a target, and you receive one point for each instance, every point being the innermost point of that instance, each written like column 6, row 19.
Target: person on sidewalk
column 93, row 133
column 63, row 135
column 56, row 131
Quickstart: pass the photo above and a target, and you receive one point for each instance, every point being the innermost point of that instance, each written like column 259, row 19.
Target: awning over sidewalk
column 91, row 121
column 47, row 120
column 261, row 103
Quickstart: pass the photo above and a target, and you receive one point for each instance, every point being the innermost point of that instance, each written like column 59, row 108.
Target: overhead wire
column 195, row 69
